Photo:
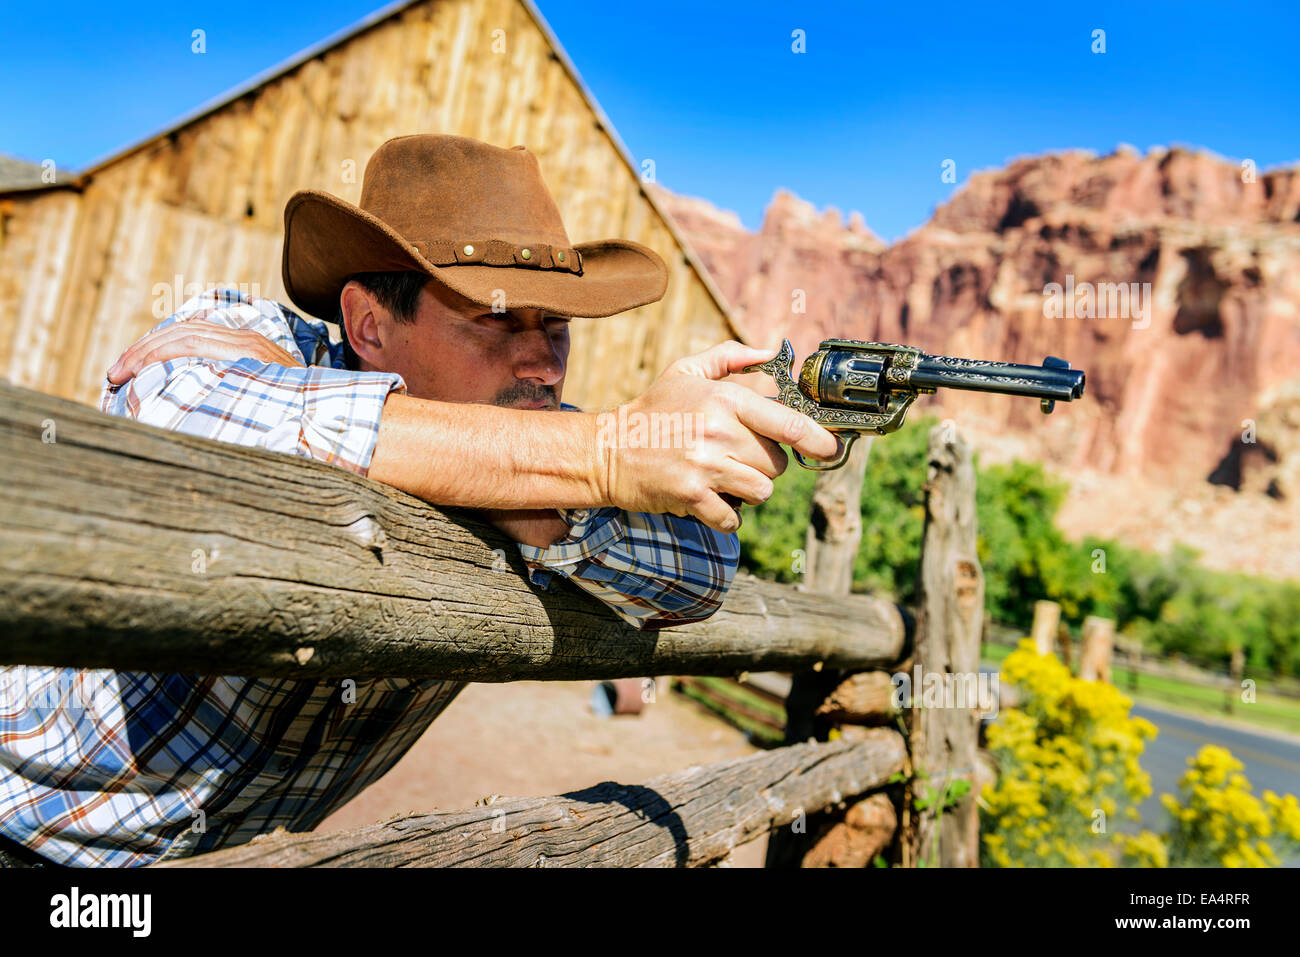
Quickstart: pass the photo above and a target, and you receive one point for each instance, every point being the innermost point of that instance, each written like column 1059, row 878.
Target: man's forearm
column 485, row 456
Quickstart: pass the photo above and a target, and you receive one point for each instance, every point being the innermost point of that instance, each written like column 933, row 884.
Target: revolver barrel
column 864, row 375
column 1054, row 379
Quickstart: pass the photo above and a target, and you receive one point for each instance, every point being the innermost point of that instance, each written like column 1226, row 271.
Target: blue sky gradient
column 714, row 95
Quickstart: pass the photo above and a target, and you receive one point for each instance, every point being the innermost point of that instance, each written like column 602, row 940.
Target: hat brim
column 327, row 239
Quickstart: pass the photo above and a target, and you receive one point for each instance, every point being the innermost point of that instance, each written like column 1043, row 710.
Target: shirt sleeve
column 652, row 570
column 318, row 411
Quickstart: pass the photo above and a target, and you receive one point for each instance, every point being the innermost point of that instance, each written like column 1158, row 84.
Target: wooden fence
column 1120, row 652
column 134, row 548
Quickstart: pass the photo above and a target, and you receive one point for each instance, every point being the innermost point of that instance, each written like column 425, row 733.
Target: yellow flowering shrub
column 1072, row 750
column 1219, row 823
column 1145, row 849
column 1068, row 760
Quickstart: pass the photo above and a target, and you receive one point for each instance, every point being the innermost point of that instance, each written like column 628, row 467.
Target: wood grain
column 949, row 618
column 129, row 547
column 689, row 818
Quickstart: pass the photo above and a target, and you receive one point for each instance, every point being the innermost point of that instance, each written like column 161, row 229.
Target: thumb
column 722, row 360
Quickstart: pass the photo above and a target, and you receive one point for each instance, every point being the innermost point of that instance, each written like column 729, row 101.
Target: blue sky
column 712, row 92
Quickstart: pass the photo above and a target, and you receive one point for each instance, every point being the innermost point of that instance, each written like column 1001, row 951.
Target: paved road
column 1272, row 762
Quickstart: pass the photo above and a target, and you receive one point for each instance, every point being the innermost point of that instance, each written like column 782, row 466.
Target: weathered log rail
column 133, row 548
column 129, row 547
column 690, row 818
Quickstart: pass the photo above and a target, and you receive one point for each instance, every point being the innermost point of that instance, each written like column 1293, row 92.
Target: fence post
column 830, row 548
column 950, row 615
column 1098, row 646
column 1236, row 665
column 1047, row 619
column 835, row 525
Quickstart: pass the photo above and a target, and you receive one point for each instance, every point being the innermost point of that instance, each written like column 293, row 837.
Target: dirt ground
column 538, row 738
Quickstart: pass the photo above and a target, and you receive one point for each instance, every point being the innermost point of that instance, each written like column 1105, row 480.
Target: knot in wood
column 967, row 583
column 368, row 533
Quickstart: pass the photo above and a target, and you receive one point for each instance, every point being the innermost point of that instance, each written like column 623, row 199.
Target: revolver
column 850, row 386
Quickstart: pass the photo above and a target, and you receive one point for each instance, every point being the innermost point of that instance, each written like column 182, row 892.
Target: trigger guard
column 829, row 464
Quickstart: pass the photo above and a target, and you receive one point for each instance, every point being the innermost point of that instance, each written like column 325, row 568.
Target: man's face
column 460, row 351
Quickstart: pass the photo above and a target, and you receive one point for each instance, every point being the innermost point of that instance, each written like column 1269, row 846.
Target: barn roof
column 26, row 183
column 19, row 174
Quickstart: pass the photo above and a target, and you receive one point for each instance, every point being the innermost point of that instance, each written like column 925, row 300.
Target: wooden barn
column 89, row 263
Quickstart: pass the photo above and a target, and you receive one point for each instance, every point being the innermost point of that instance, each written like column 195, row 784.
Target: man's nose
column 536, row 357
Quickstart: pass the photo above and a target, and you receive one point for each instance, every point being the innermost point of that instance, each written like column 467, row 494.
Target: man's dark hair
column 398, row 292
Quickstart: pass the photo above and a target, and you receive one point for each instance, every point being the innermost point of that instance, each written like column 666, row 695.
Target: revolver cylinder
column 843, row 378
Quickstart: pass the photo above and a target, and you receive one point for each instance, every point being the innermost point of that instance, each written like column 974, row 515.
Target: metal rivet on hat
column 560, row 255
column 526, row 253
column 469, row 250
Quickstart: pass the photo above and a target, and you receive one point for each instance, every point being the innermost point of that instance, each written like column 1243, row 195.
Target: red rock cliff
column 1203, row 350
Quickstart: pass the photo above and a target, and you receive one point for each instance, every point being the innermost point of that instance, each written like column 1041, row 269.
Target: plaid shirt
column 115, row 768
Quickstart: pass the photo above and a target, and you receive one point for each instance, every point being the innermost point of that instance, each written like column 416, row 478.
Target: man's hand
column 724, row 440
column 197, row 338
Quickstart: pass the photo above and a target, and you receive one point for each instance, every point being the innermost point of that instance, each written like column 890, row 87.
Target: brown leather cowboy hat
column 477, row 218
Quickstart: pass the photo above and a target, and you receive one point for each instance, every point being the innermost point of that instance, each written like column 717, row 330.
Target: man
column 454, row 283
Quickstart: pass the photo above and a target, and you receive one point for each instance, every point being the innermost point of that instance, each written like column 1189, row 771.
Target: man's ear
column 361, row 325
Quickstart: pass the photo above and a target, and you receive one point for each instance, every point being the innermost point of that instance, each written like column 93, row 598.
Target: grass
column 760, row 733
column 1267, row 711
column 744, row 696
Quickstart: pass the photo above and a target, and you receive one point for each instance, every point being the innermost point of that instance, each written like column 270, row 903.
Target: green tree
column 1168, row 603
column 892, row 517
column 893, row 512
column 771, row 533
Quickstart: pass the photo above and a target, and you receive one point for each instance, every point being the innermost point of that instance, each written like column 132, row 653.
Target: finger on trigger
column 780, row 423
